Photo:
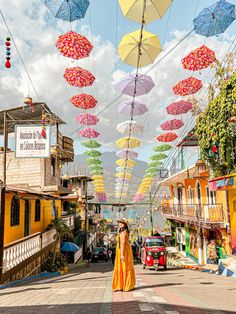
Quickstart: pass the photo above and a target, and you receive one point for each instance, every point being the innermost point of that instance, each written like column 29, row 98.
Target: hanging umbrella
column 134, row 108
column 126, row 126
column 126, row 153
column 151, row 170
column 158, row 157
column 188, row 86
column 167, row 137
column 127, row 142
column 124, row 175
column 179, row 107
column 93, row 161
column 84, row 101
column 87, row 119
column 91, row 144
column 68, row 10
column 96, row 172
column 93, row 153
column 120, row 169
column 131, row 51
column 95, row 167
column 149, row 175
column 78, row 77
column 147, row 180
column 126, row 163
column 214, row 19
column 141, row 84
column 173, row 124
column 73, row 45
column 156, row 163
column 162, row 148
column 97, row 177
column 139, row 198
column 199, row 59
column 89, row 133
column 120, row 180
column 154, row 9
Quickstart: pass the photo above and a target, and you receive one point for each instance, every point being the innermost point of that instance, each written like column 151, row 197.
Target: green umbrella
column 93, row 161
column 96, row 172
column 95, row 167
column 149, row 175
column 151, row 170
column 91, row 144
column 93, row 153
column 158, row 157
column 155, row 164
column 162, row 148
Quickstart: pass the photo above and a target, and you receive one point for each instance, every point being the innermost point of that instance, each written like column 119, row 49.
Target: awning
column 26, row 190
column 223, row 183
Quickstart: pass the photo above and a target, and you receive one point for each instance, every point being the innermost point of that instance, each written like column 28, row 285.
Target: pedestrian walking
column 88, row 257
column 123, row 275
column 113, row 253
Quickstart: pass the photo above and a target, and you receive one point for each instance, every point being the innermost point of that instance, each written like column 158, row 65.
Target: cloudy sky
column 35, row 32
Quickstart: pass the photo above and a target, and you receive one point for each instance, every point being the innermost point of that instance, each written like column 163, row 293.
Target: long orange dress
column 123, row 275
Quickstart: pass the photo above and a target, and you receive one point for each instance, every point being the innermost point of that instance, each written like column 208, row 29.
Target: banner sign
column 222, row 184
column 132, row 215
column 29, row 141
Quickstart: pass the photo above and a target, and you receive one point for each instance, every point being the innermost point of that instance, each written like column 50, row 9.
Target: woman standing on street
column 123, row 275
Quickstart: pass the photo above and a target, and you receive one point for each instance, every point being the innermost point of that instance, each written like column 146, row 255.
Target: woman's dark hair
column 125, row 228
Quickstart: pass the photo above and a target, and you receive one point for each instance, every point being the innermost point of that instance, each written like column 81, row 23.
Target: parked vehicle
column 100, row 254
column 154, row 253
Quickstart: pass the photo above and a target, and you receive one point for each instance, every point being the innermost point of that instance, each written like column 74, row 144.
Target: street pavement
column 175, row 291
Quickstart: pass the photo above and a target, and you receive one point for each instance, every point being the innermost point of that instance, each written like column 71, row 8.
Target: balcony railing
column 69, row 220
column 206, row 213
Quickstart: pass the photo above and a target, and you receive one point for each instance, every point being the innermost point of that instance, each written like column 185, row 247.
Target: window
column 37, row 210
column 190, row 196
column 53, row 166
column 15, row 211
column 211, row 196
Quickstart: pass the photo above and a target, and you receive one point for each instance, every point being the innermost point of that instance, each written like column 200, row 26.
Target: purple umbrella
column 120, row 180
column 123, row 153
column 144, row 84
column 126, row 108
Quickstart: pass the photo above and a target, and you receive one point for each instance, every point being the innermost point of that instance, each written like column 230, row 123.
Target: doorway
column 27, row 219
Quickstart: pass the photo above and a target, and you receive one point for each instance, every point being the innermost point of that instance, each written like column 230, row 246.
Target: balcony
column 197, row 214
column 69, row 220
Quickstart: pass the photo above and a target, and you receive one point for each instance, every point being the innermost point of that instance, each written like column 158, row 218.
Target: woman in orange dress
column 123, row 275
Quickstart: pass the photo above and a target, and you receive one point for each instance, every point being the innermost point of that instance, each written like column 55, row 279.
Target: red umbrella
column 87, row 119
column 199, row 59
column 172, row 125
column 167, row 137
column 188, row 86
column 179, row 107
column 74, row 45
column 83, row 101
column 89, row 133
column 78, row 77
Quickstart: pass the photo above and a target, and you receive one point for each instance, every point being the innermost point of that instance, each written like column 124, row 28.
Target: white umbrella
column 125, row 127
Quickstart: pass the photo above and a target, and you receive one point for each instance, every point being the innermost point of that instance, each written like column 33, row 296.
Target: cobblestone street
column 89, row 291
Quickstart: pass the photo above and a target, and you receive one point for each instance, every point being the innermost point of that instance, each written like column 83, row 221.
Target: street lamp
column 200, row 166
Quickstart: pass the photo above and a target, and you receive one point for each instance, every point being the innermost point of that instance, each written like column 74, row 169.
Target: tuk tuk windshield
column 154, row 242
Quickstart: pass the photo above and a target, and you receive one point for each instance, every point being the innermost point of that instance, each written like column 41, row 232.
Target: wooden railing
column 69, row 220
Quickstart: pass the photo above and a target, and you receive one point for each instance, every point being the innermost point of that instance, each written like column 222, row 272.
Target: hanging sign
column 222, row 184
column 30, row 143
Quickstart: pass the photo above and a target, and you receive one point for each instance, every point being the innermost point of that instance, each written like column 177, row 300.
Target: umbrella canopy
column 73, row 45
column 162, row 148
column 199, row 59
column 93, row 161
column 120, row 180
column 96, row 172
column 78, row 77
column 147, row 180
column 173, row 124
column 149, row 175
column 135, row 108
column 87, row 119
column 68, row 10
column 96, row 167
column 127, row 126
column 126, row 163
column 91, row 144
column 179, row 107
column 155, row 163
column 141, row 84
column 93, row 153
column 130, row 50
column 151, row 170
column 84, row 101
column 120, row 169
column 214, row 19
column 158, row 157
column 126, row 153
column 69, row 247
column 188, row 86
column 167, row 137
column 124, row 175
column 154, row 10
column 89, row 133
column 139, row 198
column 97, row 177
column 128, row 142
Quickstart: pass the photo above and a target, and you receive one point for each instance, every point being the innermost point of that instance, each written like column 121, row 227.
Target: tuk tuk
column 154, row 253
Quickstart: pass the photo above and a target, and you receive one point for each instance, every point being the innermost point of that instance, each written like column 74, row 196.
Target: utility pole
column 85, row 244
column 150, row 211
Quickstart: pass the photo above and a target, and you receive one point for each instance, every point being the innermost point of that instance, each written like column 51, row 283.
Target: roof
column 25, row 189
column 179, row 176
column 21, row 116
column 190, row 140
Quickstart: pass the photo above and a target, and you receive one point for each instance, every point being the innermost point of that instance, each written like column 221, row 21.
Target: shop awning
column 223, row 183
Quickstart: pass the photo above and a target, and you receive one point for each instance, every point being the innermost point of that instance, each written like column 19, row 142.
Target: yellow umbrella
column 147, row 180
column 126, row 163
column 121, row 195
column 99, row 185
column 128, row 142
column 129, row 48
column 100, row 190
column 154, row 10
column 97, row 177
column 145, row 184
column 124, row 175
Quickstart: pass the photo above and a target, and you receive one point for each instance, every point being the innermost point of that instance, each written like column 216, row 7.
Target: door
column 199, row 201
column 27, row 219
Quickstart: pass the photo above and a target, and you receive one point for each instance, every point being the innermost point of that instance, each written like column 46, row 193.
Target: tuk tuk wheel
column 144, row 266
column 165, row 267
column 156, row 267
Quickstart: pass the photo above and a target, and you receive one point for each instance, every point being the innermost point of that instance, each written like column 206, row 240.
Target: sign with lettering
column 29, row 141
column 222, row 184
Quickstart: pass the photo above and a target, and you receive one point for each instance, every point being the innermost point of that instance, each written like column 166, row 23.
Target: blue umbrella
column 69, row 247
column 215, row 19
column 69, row 10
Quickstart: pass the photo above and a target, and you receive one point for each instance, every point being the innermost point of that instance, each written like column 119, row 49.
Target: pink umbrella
column 129, row 107
column 78, row 77
column 87, row 119
column 139, row 197
column 127, row 153
column 83, row 101
column 189, row 86
column 167, row 137
column 89, row 133
column 179, row 107
column 173, row 124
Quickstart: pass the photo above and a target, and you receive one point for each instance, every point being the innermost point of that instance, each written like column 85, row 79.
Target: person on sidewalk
column 88, row 257
column 123, row 275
